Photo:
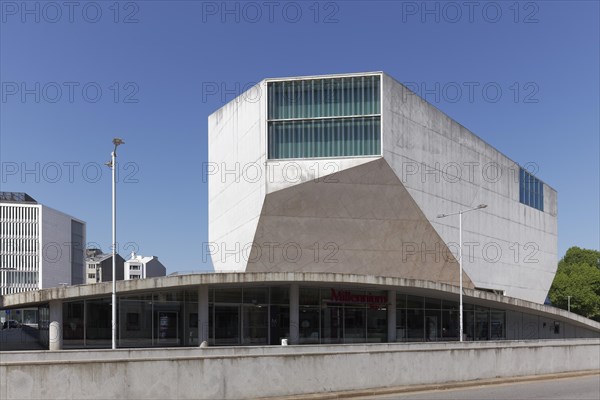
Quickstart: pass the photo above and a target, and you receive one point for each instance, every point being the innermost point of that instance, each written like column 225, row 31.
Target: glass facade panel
column 228, row 295
column 331, row 97
column 377, row 325
column 415, row 321
column 280, row 295
column 227, row 325
column 433, row 325
column 450, row 325
column 414, row 302
column 256, row 296
column 332, row 324
column 434, row 304
column 261, row 316
column 355, row 322
column 135, row 322
column 450, row 305
column 482, row 323
column 531, row 190
column 255, row 324
column 401, row 334
column 324, row 138
column 279, row 323
column 169, row 319
column 73, row 324
column 497, row 325
column 400, row 300
column 332, row 117
column 44, row 324
column 309, row 296
column 98, row 320
column 309, row 325
column 469, row 325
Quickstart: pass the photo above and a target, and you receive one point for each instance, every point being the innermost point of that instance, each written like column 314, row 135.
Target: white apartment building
column 140, row 267
column 39, row 247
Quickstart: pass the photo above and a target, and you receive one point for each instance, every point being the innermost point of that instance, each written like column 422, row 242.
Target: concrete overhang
column 409, row 286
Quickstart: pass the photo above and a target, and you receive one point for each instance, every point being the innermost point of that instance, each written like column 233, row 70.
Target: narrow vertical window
column 531, row 190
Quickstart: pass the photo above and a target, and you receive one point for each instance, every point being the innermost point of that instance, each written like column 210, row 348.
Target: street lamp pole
column 113, row 165
column 460, row 263
column 460, row 259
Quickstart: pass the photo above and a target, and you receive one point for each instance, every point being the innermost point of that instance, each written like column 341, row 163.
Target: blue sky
column 73, row 77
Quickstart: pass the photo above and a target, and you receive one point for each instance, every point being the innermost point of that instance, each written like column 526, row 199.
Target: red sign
column 347, row 296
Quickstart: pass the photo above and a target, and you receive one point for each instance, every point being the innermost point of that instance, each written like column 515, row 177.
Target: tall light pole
column 113, row 166
column 460, row 213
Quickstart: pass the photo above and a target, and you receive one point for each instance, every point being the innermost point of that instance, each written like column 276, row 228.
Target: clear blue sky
column 170, row 50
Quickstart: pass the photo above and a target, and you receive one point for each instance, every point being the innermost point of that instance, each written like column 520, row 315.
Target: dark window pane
column 256, row 295
column 309, row 325
column 280, row 295
column 228, row 295
column 414, row 302
column 435, row 304
column 227, row 325
column 376, row 325
column 309, row 296
column 415, row 320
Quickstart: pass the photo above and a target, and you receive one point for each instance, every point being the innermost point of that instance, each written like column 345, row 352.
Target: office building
column 40, row 247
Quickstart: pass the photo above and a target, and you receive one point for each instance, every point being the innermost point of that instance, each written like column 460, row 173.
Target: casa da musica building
column 325, row 196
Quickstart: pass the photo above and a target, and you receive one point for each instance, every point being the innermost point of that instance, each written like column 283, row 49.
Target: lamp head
column 482, row 206
column 117, row 141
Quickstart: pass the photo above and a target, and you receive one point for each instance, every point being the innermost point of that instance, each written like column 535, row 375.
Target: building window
column 134, row 267
column 531, row 190
column 333, row 117
column 92, row 276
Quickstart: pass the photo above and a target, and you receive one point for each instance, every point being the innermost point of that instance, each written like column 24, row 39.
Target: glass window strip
column 531, row 190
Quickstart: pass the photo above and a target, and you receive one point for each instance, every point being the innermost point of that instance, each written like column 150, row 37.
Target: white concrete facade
column 40, row 248
column 508, row 247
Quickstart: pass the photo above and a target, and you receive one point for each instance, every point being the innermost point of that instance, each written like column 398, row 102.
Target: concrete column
column 391, row 315
column 294, row 313
column 55, row 332
column 203, row 333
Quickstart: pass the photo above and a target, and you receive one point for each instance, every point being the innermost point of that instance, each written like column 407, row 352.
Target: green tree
column 578, row 276
column 576, row 255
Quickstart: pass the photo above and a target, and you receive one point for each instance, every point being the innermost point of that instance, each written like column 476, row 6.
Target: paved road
column 577, row 388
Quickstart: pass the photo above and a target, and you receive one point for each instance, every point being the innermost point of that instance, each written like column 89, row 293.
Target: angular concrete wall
column 236, row 177
column 360, row 220
column 244, row 372
column 445, row 167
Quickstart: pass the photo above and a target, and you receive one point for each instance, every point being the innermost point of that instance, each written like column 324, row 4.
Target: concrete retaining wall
column 247, row 372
